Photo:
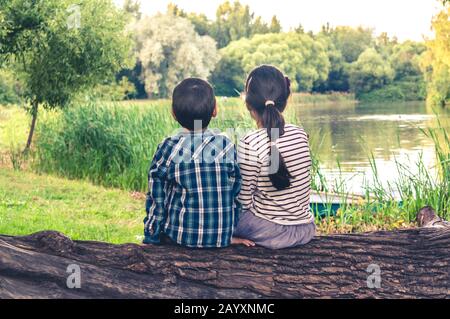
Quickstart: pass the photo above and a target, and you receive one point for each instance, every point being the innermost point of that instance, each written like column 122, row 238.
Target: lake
column 348, row 133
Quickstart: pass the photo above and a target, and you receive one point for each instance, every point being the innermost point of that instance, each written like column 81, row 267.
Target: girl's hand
column 241, row 241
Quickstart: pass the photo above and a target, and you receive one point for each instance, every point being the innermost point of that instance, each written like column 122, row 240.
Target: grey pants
column 271, row 235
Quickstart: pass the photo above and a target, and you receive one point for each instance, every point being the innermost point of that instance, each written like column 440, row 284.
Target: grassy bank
column 31, row 203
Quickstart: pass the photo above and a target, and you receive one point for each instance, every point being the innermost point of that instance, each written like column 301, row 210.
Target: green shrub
column 409, row 89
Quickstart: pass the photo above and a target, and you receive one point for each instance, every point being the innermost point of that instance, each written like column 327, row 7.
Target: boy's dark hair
column 267, row 93
column 193, row 100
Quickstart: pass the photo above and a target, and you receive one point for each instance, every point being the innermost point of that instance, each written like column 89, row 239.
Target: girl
column 275, row 165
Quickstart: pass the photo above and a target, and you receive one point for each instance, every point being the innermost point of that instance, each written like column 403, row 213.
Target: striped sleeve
column 250, row 167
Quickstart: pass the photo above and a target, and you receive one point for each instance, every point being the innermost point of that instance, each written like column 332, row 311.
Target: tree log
column 413, row 264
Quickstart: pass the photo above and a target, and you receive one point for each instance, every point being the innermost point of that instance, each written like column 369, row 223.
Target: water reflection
column 349, row 133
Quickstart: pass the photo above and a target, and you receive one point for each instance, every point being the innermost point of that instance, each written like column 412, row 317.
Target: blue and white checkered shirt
column 194, row 181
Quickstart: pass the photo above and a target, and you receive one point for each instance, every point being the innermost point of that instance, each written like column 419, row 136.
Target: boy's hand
column 241, row 241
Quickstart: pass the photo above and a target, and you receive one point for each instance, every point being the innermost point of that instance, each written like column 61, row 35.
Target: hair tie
column 269, row 102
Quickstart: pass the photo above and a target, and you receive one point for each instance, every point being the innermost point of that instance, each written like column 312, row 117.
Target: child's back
column 194, row 179
column 289, row 206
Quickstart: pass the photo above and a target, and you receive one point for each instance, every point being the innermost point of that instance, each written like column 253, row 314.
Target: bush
column 409, row 89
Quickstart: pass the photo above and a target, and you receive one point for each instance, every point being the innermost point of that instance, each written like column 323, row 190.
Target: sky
column 406, row 19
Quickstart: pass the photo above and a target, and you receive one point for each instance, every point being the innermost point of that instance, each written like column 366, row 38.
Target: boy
column 194, row 178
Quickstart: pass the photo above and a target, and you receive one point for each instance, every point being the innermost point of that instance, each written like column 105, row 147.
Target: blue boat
column 327, row 204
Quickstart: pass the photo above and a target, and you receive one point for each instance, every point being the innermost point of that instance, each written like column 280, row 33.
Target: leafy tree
column 436, row 63
column 351, row 42
column 233, row 22
column 405, row 59
column 170, row 50
column 275, row 25
column 369, row 72
column 60, row 47
column 133, row 7
column 202, row 25
column 227, row 78
column 304, row 60
column 338, row 76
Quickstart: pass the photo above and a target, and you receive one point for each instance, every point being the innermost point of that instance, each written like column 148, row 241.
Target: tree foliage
column 436, row 62
column 405, row 59
column 369, row 72
column 233, row 22
column 351, row 42
column 60, row 47
column 55, row 60
column 170, row 50
column 304, row 60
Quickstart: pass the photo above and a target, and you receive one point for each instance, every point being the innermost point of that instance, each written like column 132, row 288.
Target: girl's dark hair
column 267, row 93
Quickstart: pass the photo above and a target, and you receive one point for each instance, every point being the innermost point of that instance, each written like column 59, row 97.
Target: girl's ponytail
column 267, row 93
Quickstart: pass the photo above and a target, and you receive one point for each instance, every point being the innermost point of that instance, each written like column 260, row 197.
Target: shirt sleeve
column 250, row 167
column 154, row 206
column 236, row 187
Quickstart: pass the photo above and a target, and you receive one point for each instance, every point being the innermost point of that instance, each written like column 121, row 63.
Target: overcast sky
column 406, row 19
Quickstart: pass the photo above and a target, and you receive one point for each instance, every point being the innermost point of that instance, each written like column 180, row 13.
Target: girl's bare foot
column 241, row 241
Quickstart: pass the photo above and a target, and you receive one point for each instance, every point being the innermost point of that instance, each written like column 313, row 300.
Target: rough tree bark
column 413, row 263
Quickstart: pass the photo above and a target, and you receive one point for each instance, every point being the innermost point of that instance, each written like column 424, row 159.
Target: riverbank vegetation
column 111, row 145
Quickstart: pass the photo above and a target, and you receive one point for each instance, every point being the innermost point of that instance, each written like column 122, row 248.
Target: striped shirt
column 290, row 206
column 193, row 182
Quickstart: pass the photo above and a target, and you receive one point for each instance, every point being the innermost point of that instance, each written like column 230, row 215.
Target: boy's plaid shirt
column 194, row 181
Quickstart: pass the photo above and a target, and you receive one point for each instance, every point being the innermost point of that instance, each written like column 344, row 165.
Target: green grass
column 31, row 203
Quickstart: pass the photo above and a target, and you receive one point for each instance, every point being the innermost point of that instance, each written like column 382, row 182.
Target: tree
column 275, row 25
column 233, row 21
column 60, row 47
column 385, row 45
column 369, row 72
column 436, row 62
column 170, row 50
column 338, row 76
column 228, row 76
column 304, row 60
column 202, row 25
column 133, row 7
column 351, row 42
column 405, row 59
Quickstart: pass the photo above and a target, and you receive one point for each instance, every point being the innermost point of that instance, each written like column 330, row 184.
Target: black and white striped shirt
column 286, row 207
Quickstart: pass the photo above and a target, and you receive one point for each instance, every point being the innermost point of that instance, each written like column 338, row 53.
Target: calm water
column 348, row 133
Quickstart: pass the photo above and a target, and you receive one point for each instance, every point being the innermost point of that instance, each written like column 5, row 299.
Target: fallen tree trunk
column 412, row 263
